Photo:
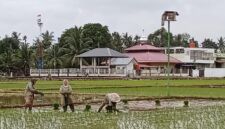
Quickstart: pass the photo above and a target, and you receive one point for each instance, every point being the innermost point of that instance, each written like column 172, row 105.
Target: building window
column 171, row 51
column 200, row 55
column 179, row 50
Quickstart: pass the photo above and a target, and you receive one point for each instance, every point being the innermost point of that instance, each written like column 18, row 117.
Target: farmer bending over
column 29, row 94
column 66, row 99
column 110, row 101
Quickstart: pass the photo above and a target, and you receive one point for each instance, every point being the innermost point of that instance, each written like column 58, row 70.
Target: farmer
column 110, row 101
column 66, row 99
column 29, row 94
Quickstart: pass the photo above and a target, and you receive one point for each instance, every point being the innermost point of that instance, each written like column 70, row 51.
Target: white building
column 193, row 58
column 124, row 66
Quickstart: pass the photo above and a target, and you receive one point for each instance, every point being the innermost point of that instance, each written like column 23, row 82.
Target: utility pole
column 168, row 16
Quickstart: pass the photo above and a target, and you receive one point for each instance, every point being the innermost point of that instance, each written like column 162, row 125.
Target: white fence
column 78, row 72
column 214, row 72
column 209, row 72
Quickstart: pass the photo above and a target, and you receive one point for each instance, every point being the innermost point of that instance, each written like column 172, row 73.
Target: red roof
column 152, row 57
column 143, row 47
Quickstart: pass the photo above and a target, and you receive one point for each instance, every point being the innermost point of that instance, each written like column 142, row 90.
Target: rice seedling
column 211, row 117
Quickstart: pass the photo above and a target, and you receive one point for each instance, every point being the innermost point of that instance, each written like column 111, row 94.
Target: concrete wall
column 214, row 72
column 195, row 73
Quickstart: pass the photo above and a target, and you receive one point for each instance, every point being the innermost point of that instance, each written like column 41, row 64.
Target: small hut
column 101, row 62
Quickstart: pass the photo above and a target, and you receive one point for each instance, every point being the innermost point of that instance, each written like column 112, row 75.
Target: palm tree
column 24, row 58
column 221, row 44
column 54, row 57
column 117, row 42
column 48, row 38
column 136, row 39
column 127, row 40
column 75, row 45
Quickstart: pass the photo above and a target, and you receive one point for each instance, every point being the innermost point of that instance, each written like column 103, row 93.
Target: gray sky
column 200, row 18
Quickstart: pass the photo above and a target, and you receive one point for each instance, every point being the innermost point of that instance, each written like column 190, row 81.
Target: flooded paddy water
column 134, row 103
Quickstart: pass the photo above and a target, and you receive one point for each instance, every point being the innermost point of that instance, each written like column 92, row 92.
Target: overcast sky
column 200, row 18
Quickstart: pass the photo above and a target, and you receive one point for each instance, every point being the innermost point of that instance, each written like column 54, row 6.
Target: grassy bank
column 130, row 87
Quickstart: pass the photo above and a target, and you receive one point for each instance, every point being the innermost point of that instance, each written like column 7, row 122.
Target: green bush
column 157, row 102
column 125, row 101
column 56, row 106
column 186, row 103
column 87, row 108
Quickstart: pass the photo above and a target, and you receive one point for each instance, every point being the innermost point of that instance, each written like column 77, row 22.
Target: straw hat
column 114, row 97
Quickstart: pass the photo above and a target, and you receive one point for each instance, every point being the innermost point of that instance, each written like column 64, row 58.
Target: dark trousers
column 66, row 104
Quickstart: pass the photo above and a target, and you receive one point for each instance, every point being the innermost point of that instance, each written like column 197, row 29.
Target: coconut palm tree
column 116, row 42
column 127, row 40
column 48, row 38
column 75, row 45
column 25, row 58
column 54, row 56
column 221, row 44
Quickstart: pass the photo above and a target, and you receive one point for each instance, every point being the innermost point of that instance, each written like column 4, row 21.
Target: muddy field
column 128, row 103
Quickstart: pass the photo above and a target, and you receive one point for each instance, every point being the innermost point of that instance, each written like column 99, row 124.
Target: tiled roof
column 102, row 52
column 152, row 57
column 143, row 47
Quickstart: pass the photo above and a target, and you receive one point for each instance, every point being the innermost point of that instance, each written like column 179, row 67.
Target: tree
column 48, row 38
column 181, row 40
column 9, row 47
column 74, row 44
column 98, row 34
column 41, row 45
column 25, row 58
column 117, row 41
column 64, row 35
column 9, row 44
column 160, row 38
column 221, row 44
column 54, row 57
column 209, row 43
column 136, row 39
column 6, row 61
column 127, row 40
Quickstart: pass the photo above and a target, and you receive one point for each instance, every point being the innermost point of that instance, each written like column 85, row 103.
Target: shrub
column 157, row 102
column 87, row 108
column 125, row 101
column 186, row 103
column 56, row 106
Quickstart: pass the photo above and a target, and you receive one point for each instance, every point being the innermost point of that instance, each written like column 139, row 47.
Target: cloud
column 200, row 18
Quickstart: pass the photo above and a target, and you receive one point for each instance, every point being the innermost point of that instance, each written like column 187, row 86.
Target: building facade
column 193, row 58
column 152, row 61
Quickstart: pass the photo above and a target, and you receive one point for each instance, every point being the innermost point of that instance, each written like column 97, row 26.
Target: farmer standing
column 29, row 94
column 66, row 98
column 110, row 101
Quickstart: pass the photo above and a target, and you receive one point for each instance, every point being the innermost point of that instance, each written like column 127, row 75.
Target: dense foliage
column 18, row 56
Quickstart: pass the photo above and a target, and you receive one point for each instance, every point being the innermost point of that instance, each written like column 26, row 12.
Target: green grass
column 160, row 91
column 109, row 83
column 130, row 87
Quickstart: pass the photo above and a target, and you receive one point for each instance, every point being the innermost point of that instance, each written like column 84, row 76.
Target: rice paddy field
column 185, row 118
column 200, row 114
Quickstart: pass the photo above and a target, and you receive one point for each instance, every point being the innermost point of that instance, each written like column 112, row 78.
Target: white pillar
column 81, row 65
column 94, row 61
column 109, row 66
column 159, row 70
